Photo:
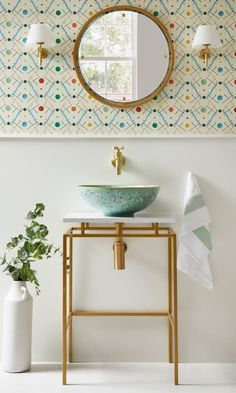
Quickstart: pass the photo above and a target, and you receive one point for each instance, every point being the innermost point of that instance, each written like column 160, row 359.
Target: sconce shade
column 40, row 33
column 206, row 35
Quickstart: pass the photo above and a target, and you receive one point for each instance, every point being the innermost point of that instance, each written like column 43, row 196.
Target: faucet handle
column 118, row 148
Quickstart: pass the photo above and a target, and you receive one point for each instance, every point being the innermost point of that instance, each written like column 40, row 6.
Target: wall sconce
column 206, row 35
column 40, row 36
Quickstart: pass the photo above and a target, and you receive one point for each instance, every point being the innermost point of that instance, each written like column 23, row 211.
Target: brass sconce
column 206, row 36
column 40, row 36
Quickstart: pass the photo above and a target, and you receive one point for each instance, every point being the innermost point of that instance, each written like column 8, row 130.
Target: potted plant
column 22, row 252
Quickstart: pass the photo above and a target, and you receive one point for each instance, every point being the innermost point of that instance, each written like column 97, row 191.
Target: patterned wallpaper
column 51, row 101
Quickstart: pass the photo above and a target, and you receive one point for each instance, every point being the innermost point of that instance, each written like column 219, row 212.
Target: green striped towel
column 195, row 239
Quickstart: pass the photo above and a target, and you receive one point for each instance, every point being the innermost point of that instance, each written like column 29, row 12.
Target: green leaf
column 19, row 265
column 31, row 216
column 15, row 241
column 30, row 232
column 39, row 209
column 29, row 247
column 22, row 254
column 40, row 206
column 42, row 248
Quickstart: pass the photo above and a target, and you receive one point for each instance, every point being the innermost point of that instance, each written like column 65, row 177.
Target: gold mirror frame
column 130, row 103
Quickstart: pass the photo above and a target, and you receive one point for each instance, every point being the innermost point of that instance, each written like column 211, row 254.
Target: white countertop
column 139, row 218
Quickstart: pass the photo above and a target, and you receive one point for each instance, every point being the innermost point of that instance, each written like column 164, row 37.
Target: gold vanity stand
column 118, row 228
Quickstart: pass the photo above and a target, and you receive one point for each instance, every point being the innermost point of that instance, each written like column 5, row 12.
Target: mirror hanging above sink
column 123, row 56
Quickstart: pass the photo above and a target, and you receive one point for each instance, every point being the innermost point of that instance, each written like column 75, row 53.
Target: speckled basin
column 119, row 200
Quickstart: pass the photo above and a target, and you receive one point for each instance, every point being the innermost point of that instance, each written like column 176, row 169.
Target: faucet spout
column 118, row 160
column 118, row 165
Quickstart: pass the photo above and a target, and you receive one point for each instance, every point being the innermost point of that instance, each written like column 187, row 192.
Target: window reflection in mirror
column 108, row 56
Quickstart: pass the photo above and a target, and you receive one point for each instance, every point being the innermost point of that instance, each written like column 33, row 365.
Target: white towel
column 195, row 239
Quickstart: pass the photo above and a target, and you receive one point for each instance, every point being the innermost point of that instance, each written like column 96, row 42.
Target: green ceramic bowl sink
column 119, row 200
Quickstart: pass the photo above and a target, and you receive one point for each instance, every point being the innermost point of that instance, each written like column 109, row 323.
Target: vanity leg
column 64, row 302
column 70, row 298
column 170, row 328
column 175, row 289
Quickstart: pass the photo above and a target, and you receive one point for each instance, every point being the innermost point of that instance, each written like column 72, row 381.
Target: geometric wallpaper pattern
column 51, row 101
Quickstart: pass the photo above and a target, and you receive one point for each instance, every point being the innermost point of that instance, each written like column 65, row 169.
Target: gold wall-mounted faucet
column 118, row 159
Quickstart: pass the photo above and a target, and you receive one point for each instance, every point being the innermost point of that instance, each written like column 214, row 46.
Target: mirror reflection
column 123, row 56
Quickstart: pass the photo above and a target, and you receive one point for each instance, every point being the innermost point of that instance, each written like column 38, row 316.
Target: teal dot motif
column 8, row 52
column 154, row 125
column 24, row 68
column 8, row 80
column 24, row 123
column 122, row 125
column 57, row 124
column 8, row 23
column 57, row 96
column 155, row 13
column 25, row 12
column 155, row 98
column 58, row 12
column 220, row 98
column 8, row 108
column 203, row 109
column 58, row 41
column 221, row 13
column 203, row 81
column 58, row 68
column 219, row 125
column 220, row 69
column 24, row 96
column 105, row 109
column 24, row 40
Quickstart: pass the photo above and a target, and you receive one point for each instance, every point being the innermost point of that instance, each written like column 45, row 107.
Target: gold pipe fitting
column 118, row 160
column 119, row 248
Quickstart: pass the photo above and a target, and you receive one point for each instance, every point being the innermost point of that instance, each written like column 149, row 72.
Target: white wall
column 50, row 170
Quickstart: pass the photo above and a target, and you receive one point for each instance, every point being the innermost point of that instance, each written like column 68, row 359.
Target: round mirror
column 123, row 56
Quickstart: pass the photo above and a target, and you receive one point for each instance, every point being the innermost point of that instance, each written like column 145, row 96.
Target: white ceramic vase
column 17, row 328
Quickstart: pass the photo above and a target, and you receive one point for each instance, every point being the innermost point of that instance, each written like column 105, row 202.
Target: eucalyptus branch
column 24, row 249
